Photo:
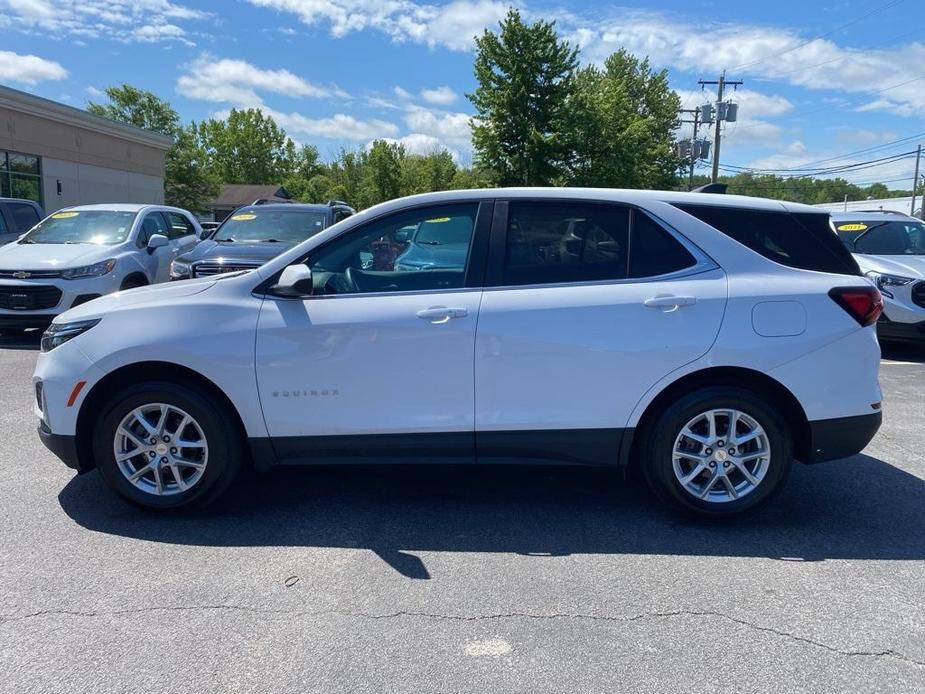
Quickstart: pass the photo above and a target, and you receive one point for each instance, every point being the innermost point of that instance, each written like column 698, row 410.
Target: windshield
column 894, row 237
column 271, row 225
column 102, row 227
column 445, row 231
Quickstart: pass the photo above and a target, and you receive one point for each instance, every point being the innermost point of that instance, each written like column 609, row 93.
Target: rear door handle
column 441, row 314
column 670, row 302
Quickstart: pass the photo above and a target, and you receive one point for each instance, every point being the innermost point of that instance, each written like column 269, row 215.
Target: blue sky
column 822, row 79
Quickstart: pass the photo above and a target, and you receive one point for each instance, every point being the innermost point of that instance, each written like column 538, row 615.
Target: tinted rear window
column 803, row 240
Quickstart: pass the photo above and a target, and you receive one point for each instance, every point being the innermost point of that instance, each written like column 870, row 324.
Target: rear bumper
column 62, row 445
column 842, row 437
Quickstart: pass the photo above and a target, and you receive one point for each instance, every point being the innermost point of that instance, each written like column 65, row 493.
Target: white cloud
column 145, row 21
column 452, row 25
column 449, row 126
column 28, row 69
column 337, row 127
column 237, row 82
column 442, row 96
column 769, row 53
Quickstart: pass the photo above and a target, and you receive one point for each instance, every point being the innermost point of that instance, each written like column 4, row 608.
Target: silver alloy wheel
column 160, row 449
column 721, row 455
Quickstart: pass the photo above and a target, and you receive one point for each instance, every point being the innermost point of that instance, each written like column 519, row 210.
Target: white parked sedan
column 80, row 253
column 709, row 339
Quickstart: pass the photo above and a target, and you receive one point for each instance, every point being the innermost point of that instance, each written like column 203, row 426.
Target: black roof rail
column 904, row 214
column 718, row 188
column 271, row 201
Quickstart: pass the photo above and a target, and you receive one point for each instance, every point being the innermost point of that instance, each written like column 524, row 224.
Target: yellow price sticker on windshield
column 244, row 217
column 437, row 220
column 851, row 227
column 64, row 215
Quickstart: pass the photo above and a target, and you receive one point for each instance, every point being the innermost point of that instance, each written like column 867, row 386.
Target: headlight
column 179, row 270
column 884, row 281
column 59, row 333
column 96, row 270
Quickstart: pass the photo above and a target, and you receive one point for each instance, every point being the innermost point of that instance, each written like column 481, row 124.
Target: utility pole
column 915, row 178
column 694, row 154
column 719, row 115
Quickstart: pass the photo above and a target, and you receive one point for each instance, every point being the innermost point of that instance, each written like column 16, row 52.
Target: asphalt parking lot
column 464, row 579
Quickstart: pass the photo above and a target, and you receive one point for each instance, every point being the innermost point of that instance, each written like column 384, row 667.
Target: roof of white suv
column 625, row 195
column 872, row 215
column 118, row 207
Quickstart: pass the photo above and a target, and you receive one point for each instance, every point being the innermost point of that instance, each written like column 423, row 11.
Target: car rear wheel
column 163, row 445
column 718, row 452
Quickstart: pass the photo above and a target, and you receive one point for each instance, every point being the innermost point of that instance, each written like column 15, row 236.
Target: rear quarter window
column 802, row 240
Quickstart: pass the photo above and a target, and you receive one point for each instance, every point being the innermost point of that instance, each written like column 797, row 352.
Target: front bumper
column 831, row 439
column 73, row 293
column 22, row 321
column 64, row 446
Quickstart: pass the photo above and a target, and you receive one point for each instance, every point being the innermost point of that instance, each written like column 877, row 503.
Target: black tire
column 659, row 443
column 225, row 443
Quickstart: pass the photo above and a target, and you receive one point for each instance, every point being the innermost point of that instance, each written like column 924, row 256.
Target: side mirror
column 402, row 236
column 157, row 241
column 295, row 281
column 205, row 233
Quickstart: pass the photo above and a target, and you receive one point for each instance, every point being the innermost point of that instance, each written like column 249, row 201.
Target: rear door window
column 24, row 216
column 801, row 240
column 561, row 242
column 180, row 226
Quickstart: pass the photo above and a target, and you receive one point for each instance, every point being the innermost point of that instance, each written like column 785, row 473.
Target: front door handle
column 670, row 302
column 441, row 314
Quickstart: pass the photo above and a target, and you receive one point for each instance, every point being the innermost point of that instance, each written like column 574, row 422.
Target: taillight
column 864, row 304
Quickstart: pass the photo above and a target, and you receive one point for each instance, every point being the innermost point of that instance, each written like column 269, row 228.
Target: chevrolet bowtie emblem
column 20, row 275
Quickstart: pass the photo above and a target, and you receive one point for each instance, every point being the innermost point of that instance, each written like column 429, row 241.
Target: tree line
column 541, row 118
column 806, row 190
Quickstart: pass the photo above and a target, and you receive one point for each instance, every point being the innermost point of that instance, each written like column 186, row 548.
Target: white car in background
column 81, row 253
column 890, row 250
column 708, row 339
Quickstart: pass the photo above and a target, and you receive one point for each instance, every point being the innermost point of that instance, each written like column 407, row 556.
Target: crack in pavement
column 888, row 653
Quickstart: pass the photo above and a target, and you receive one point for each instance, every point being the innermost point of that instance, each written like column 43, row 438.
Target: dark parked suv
column 17, row 217
column 254, row 234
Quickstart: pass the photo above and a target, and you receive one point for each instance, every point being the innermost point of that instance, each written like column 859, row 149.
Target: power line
column 804, row 173
column 803, row 44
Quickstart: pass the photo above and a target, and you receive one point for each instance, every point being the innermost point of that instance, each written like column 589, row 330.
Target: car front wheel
column 163, row 445
column 718, row 452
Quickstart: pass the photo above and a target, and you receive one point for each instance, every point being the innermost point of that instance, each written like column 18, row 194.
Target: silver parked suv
column 890, row 250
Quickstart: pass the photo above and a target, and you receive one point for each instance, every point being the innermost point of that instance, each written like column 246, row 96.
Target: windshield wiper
column 431, row 243
column 228, row 240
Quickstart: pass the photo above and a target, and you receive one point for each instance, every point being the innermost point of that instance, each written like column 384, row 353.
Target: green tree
column 248, row 147
column 526, row 76
column 128, row 104
column 189, row 183
column 382, row 172
column 620, row 132
column 426, row 173
column 188, row 180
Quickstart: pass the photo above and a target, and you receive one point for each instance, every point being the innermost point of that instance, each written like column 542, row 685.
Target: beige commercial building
column 58, row 155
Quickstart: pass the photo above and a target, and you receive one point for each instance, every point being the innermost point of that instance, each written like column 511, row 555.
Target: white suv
column 890, row 249
column 80, row 253
column 708, row 339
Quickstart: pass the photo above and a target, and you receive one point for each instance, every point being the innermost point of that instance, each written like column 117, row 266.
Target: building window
column 20, row 176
